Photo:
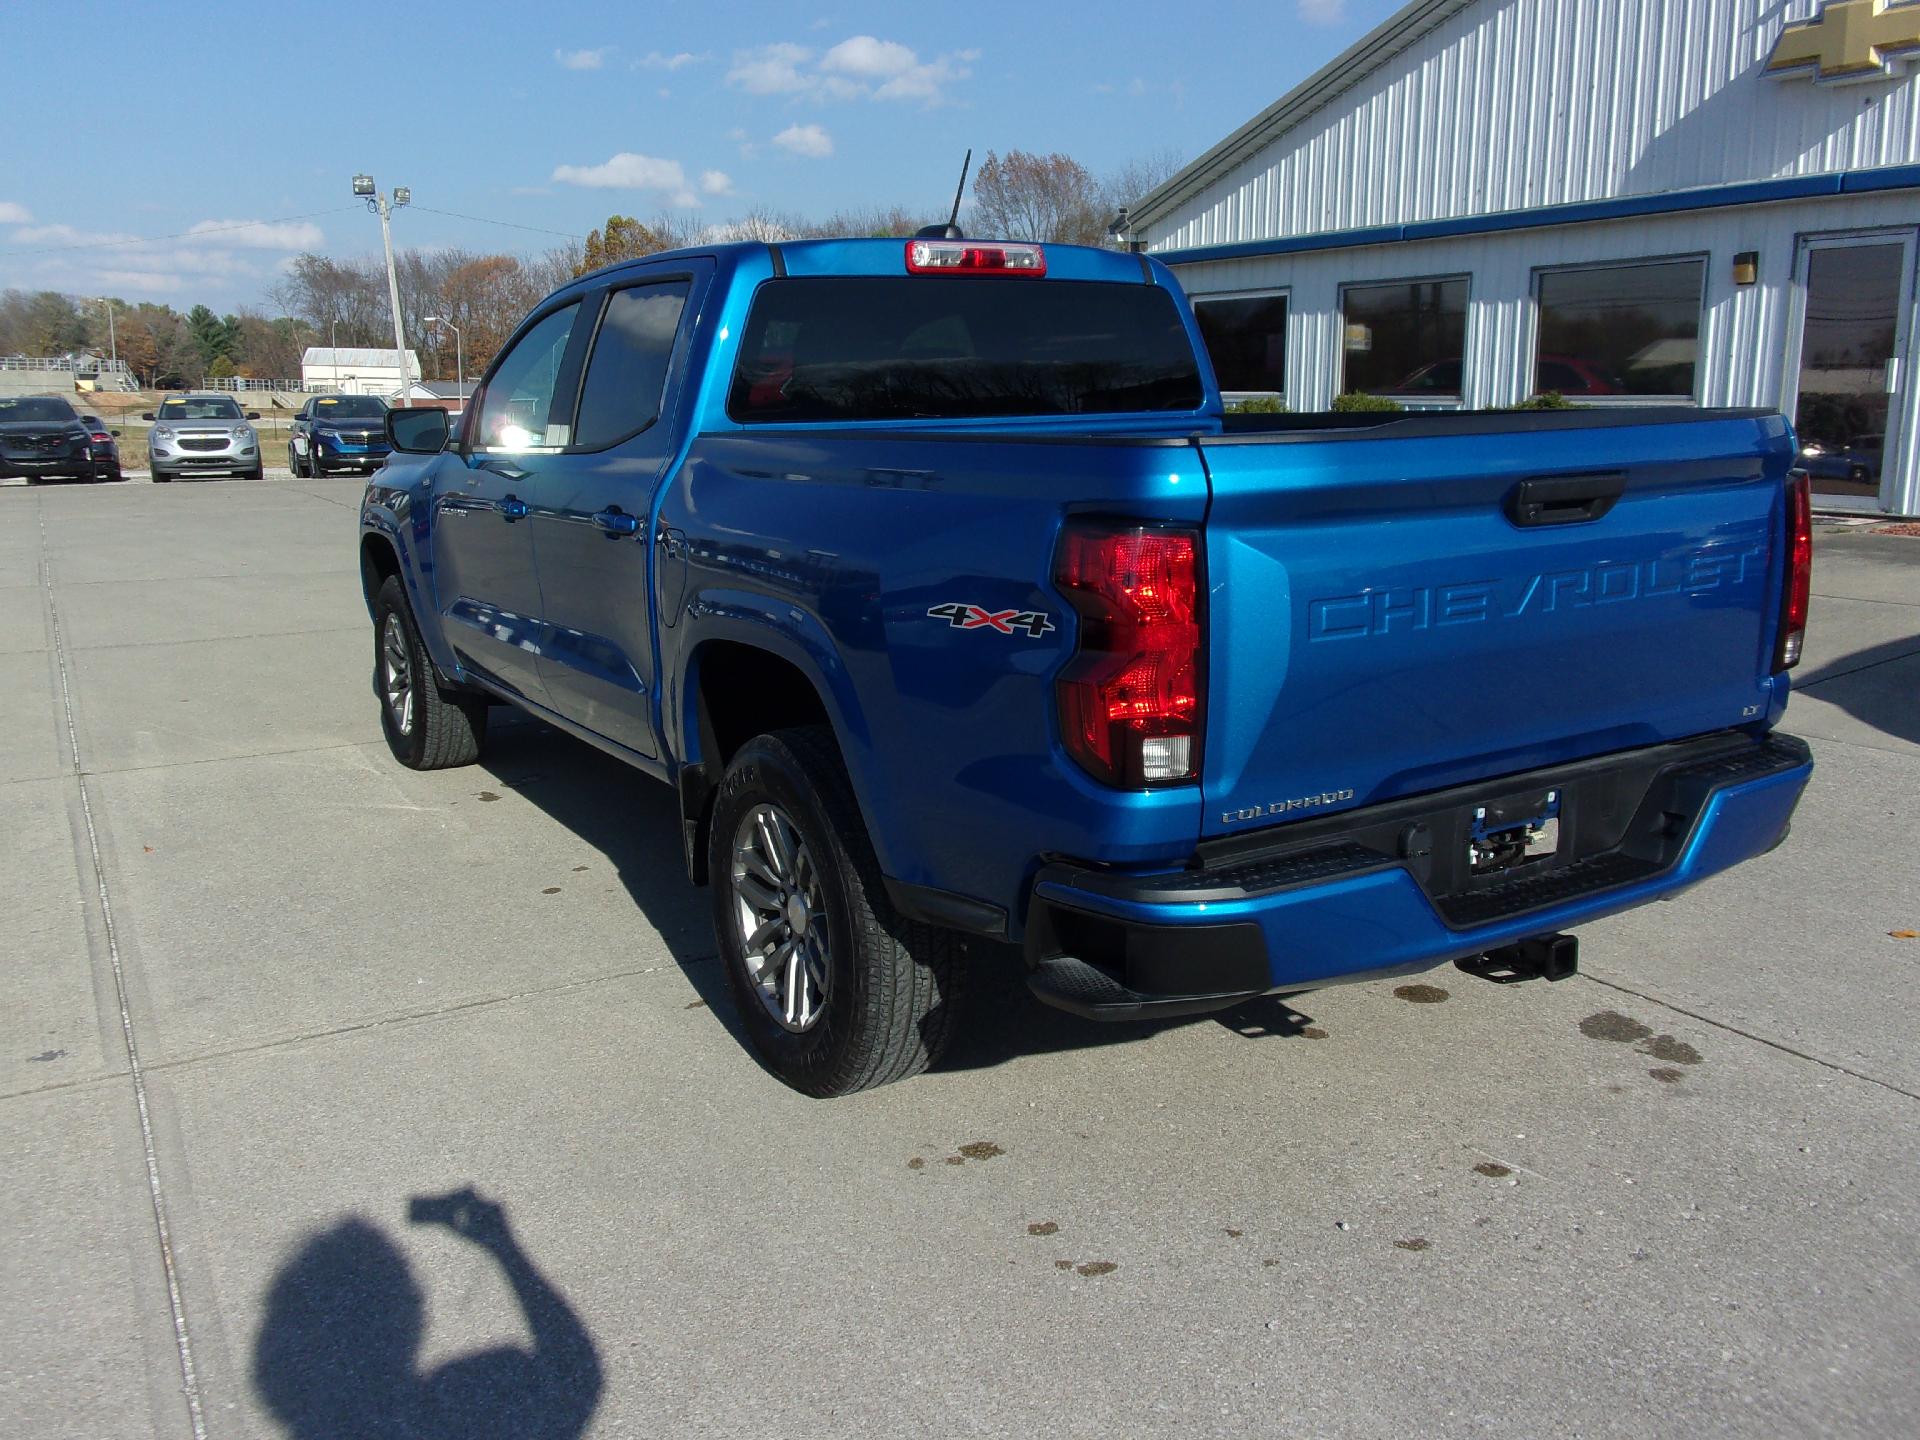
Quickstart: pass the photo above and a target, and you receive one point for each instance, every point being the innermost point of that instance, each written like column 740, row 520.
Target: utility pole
column 382, row 206
column 459, row 355
column 113, row 345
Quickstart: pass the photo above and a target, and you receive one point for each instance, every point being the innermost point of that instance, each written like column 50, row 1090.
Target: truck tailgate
column 1385, row 619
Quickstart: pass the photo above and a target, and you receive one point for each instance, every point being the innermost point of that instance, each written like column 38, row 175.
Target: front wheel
column 160, row 477
column 837, row 992
column 258, row 472
column 426, row 727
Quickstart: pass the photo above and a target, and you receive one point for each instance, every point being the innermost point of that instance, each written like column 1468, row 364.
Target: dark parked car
column 1856, row 461
column 338, row 432
column 105, row 446
column 44, row 438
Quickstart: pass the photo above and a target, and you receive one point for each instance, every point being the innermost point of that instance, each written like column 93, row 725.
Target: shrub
column 1547, row 400
column 1355, row 401
column 1257, row 405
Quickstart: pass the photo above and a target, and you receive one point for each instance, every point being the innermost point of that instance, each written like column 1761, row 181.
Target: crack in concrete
column 1747, row 1034
column 156, row 1192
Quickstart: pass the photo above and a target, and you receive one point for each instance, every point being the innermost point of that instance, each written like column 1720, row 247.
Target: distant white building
column 1679, row 202
column 355, row 371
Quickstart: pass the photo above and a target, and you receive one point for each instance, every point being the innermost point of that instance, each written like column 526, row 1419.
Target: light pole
column 383, row 207
column 459, row 355
column 113, row 345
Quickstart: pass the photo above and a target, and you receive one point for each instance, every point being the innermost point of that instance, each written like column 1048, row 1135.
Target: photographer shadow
column 337, row 1354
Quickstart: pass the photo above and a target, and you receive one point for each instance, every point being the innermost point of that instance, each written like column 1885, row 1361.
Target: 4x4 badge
column 975, row 617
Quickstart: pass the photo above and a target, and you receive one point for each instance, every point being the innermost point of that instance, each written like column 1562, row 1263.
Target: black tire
column 160, row 477
column 1860, row 475
column 258, row 472
column 447, row 728
column 892, row 984
column 107, row 474
column 293, row 464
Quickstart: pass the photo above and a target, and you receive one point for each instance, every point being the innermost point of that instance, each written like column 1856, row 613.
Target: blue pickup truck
column 934, row 577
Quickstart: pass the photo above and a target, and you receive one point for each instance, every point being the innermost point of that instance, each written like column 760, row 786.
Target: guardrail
column 66, row 364
column 243, row 382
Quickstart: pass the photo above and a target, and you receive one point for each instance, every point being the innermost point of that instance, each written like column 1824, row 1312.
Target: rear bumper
column 1364, row 894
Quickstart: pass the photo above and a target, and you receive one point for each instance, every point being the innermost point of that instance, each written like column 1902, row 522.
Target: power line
column 181, row 235
column 484, row 220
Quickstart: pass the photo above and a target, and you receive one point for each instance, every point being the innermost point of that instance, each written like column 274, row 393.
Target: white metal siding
column 1514, row 104
column 1745, row 334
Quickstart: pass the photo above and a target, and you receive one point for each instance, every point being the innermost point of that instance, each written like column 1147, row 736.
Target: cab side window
column 627, row 372
column 516, row 413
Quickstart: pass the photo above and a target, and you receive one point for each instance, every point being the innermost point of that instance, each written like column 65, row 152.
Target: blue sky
column 553, row 115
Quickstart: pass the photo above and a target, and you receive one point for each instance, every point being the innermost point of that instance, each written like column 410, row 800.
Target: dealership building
column 1675, row 202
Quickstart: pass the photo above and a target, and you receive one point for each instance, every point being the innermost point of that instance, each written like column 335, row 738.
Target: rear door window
column 627, row 371
column 920, row 347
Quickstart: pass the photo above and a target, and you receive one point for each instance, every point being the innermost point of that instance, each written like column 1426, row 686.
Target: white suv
column 202, row 434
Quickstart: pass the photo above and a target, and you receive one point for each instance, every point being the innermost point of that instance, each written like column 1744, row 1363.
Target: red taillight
column 1799, row 588
column 969, row 257
column 1131, row 700
column 100, row 439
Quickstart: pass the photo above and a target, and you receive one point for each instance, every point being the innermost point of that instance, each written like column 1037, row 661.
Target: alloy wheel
column 396, row 666
column 780, row 913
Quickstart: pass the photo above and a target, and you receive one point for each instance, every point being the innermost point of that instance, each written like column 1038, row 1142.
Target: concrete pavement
column 269, row 994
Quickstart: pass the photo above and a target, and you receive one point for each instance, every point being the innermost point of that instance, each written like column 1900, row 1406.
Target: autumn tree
column 624, row 238
column 1022, row 196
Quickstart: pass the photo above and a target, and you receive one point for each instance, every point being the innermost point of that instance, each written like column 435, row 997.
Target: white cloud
column 869, row 58
column 771, row 70
column 264, row 234
column 716, row 182
column 809, row 140
column 860, row 67
column 68, row 235
column 582, row 59
column 12, row 214
column 654, row 60
column 138, row 281
column 625, row 171
column 1323, row 12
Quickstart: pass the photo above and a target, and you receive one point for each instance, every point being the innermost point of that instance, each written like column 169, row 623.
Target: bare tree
column 1022, row 196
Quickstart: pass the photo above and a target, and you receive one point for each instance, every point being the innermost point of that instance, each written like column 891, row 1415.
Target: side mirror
column 417, row 432
column 146, row 415
column 113, row 432
column 253, row 414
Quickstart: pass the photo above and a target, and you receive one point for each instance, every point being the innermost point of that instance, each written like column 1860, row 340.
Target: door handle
column 616, row 521
column 1564, row 499
column 513, row 508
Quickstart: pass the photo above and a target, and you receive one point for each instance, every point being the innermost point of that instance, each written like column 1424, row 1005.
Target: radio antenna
column 950, row 230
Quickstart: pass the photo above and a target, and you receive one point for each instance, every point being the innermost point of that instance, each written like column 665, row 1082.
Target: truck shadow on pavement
column 634, row 822
column 337, row 1354
column 1878, row 686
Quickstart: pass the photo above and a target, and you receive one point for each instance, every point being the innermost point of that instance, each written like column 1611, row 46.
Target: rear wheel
column 837, row 992
column 426, row 727
column 108, row 473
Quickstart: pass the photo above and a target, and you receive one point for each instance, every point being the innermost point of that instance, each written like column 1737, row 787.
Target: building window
column 1246, row 339
column 1405, row 339
column 1620, row 329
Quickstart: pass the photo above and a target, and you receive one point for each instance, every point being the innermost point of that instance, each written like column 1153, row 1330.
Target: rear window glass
column 959, row 347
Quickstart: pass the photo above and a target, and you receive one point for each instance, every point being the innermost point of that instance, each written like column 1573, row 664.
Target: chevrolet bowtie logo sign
column 1850, row 40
